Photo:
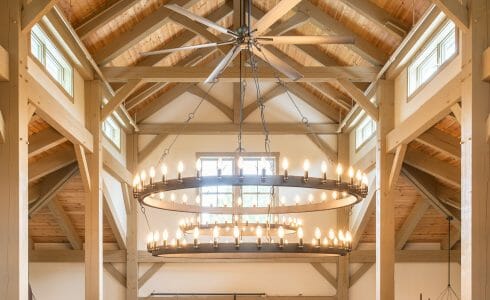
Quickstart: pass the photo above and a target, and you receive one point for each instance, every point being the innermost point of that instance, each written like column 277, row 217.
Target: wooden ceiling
column 142, row 25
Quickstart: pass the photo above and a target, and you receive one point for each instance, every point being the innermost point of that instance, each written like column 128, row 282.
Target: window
column 365, row 131
column 439, row 50
column 252, row 196
column 43, row 49
column 112, row 131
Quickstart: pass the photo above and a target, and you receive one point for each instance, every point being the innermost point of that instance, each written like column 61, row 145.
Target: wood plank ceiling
column 116, row 32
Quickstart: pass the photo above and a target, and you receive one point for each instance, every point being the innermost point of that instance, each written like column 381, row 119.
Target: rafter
column 225, row 128
column 318, row 104
column 103, row 17
column 331, row 93
column 49, row 187
column 362, row 47
column 116, row 168
column 435, row 167
column 121, row 95
column 65, row 223
column 50, row 163
column 427, row 186
column 44, row 140
column 456, row 110
column 378, row 16
column 441, row 142
column 83, row 167
column 274, row 92
column 138, row 32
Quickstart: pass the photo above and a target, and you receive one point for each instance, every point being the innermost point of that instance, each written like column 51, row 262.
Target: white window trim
column 48, row 47
column 360, row 128
column 412, row 91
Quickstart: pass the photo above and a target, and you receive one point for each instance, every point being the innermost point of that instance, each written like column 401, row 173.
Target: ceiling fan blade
column 274, row 14
column 204, row 21
column 279, row 64
column 163, row 51
column 223, row 64
column 308, row 39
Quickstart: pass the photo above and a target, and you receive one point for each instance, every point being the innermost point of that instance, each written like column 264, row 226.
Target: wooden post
column 132, row 230
column 94, row 204
column 13, row 159
column 385, row 214
column 343, row 222
column 475, row 208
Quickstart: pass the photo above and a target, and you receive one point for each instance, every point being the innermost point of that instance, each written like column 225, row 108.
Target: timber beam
column 4, row 64
column 184, row 74
column 226, row 128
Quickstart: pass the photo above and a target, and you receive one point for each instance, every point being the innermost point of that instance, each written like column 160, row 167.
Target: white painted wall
column 59, row 281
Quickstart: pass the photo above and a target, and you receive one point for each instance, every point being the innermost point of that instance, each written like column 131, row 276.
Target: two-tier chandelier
column 277, row 233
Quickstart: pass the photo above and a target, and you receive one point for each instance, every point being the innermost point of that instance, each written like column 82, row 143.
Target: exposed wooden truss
column 4, row 64
column 456, row 11
column 225, row 128
column 44, row 140
column 183, row 74
column 33, row 12
column 325, row 274
column 66, row 224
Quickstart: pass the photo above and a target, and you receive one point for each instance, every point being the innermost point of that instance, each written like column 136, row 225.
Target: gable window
column 365, row 131
column 440, row 49
column 252, row 196
column 112, row 131
column 44, row 50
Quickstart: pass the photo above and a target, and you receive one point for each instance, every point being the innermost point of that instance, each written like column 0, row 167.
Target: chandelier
column 276, row 234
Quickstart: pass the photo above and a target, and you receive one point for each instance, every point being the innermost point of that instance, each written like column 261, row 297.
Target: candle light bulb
column 165, row 235
column 341, row 235
column 339, row 170
column 306, row 165
column 324, row 196
column 239, row 201
column 348, row 237
column 184, row 242
column 156, row 236
column 283, row 200
column 196, row 232
column 300, row 233
column 136, row 181
column 300, row 222
column 334, row 195
column 335, row 242
column 359, row 176
column 324, row 167
column 173, row 243
column 152, row 172
column 215, row 232
column 280, row 232
column 198, row 200
column 172, row 197
column 162, row 195
column 198, row 165
column 318, row 233
column 364, row 179
column 331, row 234
column 310, row 198
column 325, row 241
column 350, row 172
column 285, row 164
column 149, row 237
column 164, row 169
column 178, row 234
column 297, row 199
column 143, row 176
column 184, row 199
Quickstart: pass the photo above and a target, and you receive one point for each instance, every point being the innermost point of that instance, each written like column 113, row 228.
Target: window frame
column 366, row 140
column 440, row 67
column 234, row 156
column 118, row 147
column 66, row 61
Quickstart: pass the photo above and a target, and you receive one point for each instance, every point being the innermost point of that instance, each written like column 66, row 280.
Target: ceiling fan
column 247, row 38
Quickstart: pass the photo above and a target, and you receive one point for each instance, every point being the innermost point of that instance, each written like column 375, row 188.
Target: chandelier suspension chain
column 304, row 119
column 190, row 116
